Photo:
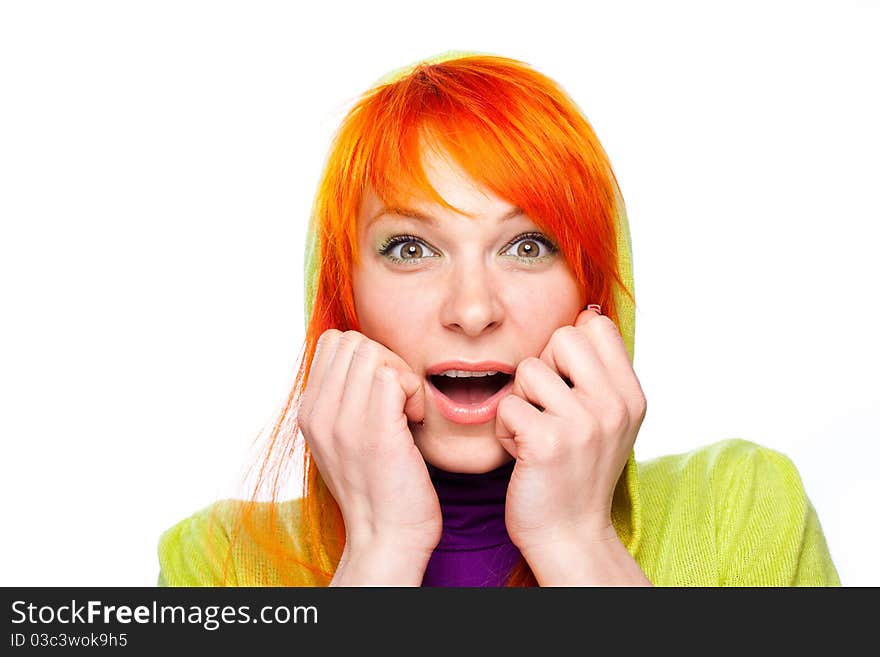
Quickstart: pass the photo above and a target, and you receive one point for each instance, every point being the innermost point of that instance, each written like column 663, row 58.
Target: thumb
column 412, row 385
column 512, row 416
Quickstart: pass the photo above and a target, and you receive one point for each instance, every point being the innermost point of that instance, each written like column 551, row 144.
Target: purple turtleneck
column 474, row 549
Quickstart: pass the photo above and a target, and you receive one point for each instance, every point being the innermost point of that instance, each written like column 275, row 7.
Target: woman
column 466, row 403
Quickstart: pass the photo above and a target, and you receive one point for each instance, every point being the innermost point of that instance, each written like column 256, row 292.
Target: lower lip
column 469, row 413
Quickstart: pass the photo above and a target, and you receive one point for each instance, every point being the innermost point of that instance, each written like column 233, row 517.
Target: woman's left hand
column 569, row 455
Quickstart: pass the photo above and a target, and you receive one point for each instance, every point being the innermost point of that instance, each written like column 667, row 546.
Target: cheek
column 539, row 309
column 409, row 310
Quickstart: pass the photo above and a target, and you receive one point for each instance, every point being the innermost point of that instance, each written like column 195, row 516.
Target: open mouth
column 470, row 390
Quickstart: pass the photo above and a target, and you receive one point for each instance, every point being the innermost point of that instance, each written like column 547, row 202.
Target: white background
column 157, row 166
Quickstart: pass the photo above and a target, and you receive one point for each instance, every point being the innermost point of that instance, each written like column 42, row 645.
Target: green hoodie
column 729, row 514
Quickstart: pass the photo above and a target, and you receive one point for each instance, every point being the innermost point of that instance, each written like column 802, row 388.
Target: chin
column 464, row 454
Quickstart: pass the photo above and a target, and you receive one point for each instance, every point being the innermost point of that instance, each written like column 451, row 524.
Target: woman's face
column 474, row 291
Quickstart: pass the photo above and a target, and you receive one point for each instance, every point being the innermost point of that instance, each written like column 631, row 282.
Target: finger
column 513, row 417
column 324, row 350
column 387, row 398
column 572, row 354
column 365, row 360
column 329, row 397
column 414, row 391
column 412, row 384
column 611, row 350
column 537, row 383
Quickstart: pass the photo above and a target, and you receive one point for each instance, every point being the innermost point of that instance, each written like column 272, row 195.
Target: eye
column 531, row 246
column 405, row 248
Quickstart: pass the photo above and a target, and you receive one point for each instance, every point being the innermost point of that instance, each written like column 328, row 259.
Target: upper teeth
column 465, row 373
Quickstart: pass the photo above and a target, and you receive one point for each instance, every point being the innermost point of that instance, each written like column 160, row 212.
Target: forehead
column 397, row 211
column 454, row 186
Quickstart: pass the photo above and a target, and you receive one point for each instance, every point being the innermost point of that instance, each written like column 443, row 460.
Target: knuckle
column 325, row 344
column 602, row 322
column 340, row 425
column 328, row 336
column 566, row 332
column 350, row 338
column 617, row 414
column 320, row 345
column 366, row 351
column 640, row 407
column 305, row 420
column 529, row 364
column 620, row 411
column 567, row 335
column 605, row 325
column 609, row 323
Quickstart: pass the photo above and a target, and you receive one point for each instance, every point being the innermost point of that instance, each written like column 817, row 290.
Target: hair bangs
column 516, row 133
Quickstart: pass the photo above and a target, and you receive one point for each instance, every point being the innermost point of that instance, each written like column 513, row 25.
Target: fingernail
column 596, row 307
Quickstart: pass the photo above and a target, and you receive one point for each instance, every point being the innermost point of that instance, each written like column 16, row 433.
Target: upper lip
column 482, row 366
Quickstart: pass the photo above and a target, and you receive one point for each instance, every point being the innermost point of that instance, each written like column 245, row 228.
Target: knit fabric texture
column 730, row 514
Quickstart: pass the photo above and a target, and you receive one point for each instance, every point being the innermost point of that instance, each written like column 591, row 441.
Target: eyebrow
column 415, row 214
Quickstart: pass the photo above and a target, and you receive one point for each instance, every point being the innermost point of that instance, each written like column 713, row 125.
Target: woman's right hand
column 358, row 400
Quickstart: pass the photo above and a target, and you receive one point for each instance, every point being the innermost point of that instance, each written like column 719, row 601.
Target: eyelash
column 389, row 244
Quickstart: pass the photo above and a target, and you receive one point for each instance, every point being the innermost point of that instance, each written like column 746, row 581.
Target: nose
column 472, row 305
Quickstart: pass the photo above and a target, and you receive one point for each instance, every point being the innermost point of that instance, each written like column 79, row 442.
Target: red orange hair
column 516, row 132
